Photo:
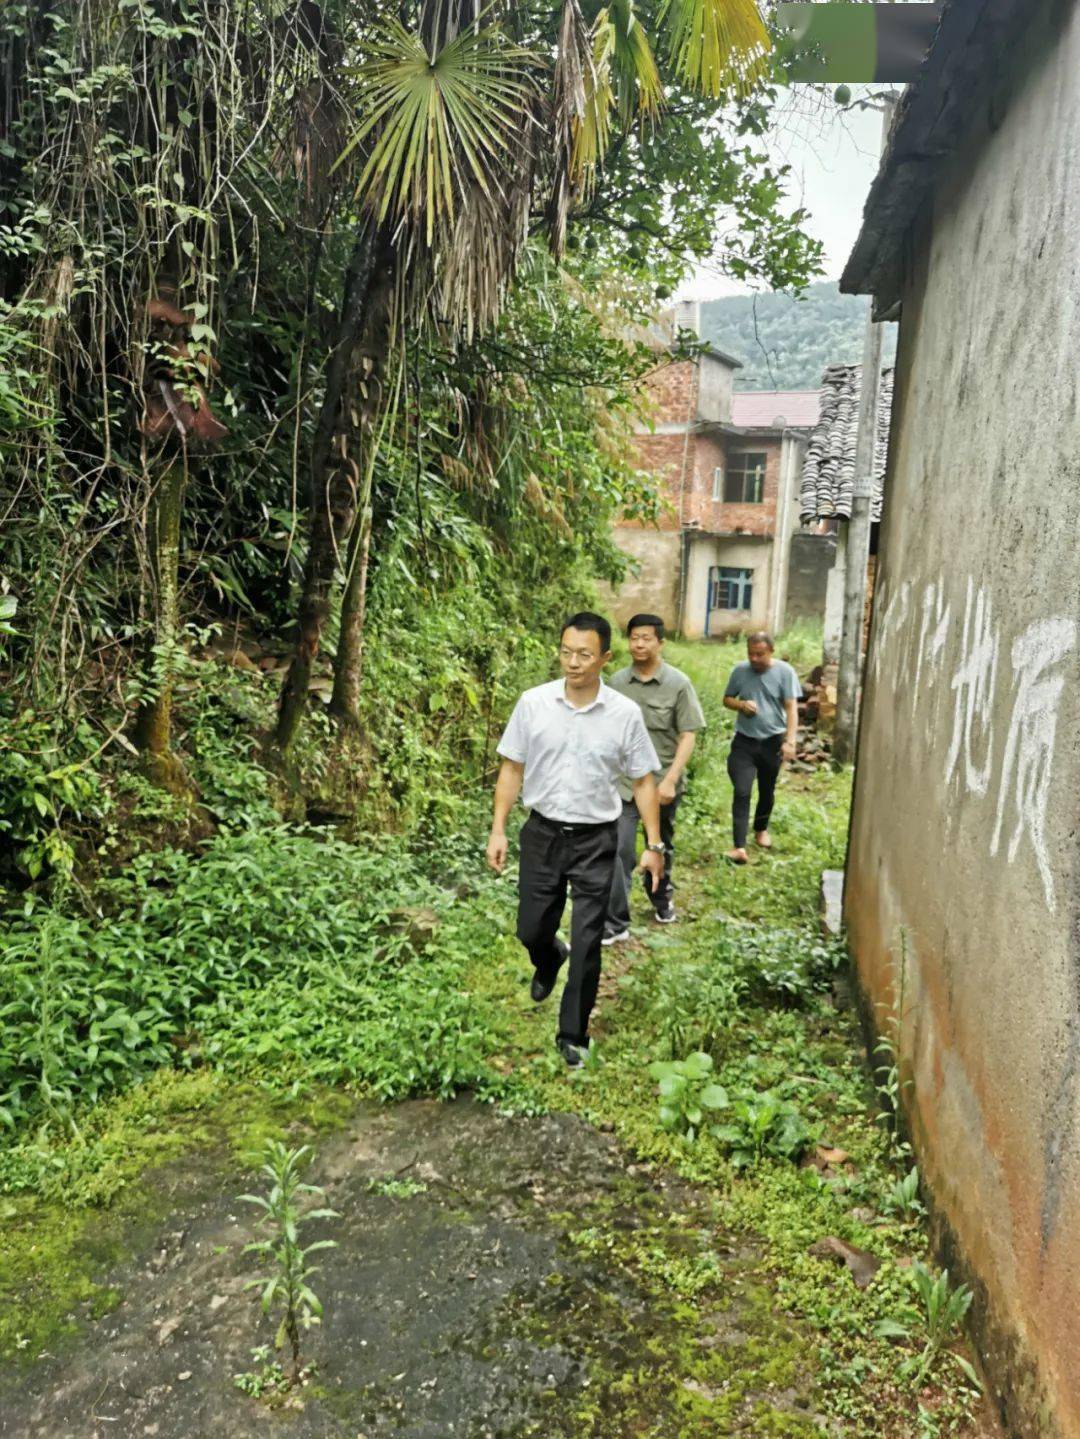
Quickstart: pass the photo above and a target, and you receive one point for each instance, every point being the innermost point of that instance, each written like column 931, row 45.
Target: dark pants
column 618, row 917
column 553, row 857
column 750, row 757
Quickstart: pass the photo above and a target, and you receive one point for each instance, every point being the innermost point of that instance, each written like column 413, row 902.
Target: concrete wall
column 715, row 387
column 811, row 559
column 966, row 827
column 654, row 589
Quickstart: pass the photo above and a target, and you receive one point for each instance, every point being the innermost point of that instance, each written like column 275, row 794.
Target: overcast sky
column 833, row 155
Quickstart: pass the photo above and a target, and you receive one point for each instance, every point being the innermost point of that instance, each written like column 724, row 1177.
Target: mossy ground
column 747, row 1331
column 98, row 1201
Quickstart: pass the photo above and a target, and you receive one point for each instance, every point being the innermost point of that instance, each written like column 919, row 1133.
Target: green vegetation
column 313, row 424
column 785, row 1153
column 785, row 342
column 287, row 1286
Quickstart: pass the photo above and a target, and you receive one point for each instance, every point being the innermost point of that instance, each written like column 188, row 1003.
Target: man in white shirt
column 564, row 750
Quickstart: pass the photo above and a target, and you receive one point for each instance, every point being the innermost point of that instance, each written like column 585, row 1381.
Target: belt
column 560, row 827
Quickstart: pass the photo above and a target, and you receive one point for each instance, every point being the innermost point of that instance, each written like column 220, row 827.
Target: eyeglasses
column 585, row 655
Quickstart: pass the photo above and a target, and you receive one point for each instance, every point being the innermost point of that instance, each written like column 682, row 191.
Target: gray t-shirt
column 768, row 689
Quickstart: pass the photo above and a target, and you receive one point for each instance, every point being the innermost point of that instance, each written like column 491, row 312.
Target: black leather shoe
column 541, row 988
column 572, row 1053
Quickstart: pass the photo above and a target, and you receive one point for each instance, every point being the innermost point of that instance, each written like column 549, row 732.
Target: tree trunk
column 331, row 494
column 377, row 411
column 153, row 728
column 349, row 666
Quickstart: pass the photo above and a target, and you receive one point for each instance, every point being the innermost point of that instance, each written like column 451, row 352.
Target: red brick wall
column 671, row 390
column 662, row 455
column 717, row 517
column 672, row 393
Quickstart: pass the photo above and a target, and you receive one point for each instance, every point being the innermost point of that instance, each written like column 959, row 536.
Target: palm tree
column 479, row 126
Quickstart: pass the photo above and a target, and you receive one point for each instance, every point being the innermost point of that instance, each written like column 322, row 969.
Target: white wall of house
column 706, row 551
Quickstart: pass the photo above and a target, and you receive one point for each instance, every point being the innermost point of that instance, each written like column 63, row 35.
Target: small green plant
column 397, row 1188
column 887, row 1081
column 902, row 1197
column 266, row 1381
column 286, row 1286
column 944, row 1308
column 693, row 1005
column 687, row 1092
column 785, row 966
column 763, row 1126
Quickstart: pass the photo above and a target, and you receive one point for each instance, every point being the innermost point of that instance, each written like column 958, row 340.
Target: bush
column 271, row 949
column 693, row 1004
column 779, row 965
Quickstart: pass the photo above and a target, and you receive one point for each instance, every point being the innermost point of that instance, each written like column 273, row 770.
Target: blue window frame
column 729, row 588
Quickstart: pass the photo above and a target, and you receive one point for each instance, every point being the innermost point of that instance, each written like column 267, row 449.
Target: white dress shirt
column 574, row 757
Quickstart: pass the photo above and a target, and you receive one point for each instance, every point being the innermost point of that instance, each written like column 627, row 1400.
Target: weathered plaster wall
column 715, row 388
column 654, row 589
column 966, row 827
column 811, row 559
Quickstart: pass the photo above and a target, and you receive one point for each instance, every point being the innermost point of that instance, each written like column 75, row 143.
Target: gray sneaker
column 615, row 936
column 666, row 915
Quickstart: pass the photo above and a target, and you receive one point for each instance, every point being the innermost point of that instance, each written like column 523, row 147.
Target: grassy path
column 745, row 977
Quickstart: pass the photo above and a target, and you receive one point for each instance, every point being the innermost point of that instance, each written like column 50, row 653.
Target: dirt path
column 497, row 1301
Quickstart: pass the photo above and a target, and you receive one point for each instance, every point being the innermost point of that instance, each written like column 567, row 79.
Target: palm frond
column 716, row 46
column 570, row 81
column 636, row 80
column 480, row 252
column 439, row 125
column 592, row 129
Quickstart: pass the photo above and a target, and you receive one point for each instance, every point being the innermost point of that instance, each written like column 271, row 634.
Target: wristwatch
column 656, row 848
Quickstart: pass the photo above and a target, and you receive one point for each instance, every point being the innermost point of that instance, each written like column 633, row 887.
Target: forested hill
column 785, row 344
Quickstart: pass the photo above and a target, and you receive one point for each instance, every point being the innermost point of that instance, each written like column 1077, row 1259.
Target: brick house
column 729, row 466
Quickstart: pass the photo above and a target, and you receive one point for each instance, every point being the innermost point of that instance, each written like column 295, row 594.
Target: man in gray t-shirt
column 764, row 693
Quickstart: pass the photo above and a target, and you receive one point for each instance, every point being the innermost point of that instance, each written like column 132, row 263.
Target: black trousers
column 750, row 758
column 623, row 874
column 555, row 858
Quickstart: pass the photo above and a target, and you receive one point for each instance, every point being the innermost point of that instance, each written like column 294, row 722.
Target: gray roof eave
column 932, row 117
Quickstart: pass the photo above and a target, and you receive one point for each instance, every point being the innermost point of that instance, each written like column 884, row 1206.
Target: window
column 745, row 482
column 730, row 589
column 718, row 483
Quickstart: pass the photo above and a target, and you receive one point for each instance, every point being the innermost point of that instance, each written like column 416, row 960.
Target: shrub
column 272, row 948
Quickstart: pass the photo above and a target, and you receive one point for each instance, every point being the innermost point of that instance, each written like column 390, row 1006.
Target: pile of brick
column 817, row 709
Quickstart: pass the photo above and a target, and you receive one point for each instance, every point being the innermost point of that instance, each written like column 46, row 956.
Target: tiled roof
column 775, row 409
column 828, row 477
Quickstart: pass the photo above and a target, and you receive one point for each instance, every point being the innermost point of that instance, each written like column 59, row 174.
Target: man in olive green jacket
column 673, row 716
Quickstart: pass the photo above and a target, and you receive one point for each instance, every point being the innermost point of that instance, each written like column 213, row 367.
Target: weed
column 268, row 1380
column 270, row 949
column 902, row 1197
column 286, row 1286
column 944, row 1308
column 687, row 1092
column 889, row 1085
column 763, row 1125
column 692, row 1006
column 397, row 1188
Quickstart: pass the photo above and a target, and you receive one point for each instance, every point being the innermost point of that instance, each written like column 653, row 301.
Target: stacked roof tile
column 828, row 475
